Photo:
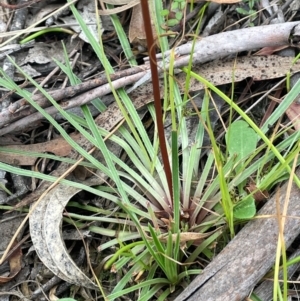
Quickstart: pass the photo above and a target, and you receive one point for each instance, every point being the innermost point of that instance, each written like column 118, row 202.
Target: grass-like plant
column 157, row 235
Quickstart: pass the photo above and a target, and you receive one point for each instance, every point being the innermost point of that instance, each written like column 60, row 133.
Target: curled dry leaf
column 53, row 236
column 45, row 230
column 259, row 195
column 223, row 71
column 39, row 243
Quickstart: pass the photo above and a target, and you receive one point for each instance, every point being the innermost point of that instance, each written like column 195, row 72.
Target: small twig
column 76, row 101
column 9, row 114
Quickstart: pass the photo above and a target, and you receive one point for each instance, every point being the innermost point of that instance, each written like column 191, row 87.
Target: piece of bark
column 249, row 256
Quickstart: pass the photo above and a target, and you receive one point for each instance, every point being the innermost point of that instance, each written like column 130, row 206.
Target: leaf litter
column 218, row 75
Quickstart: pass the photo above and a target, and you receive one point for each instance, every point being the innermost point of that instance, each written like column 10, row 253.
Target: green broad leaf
column 182, row 5
column 245, row 209
column 174, row 6
column 241, row 140
column 67, row 299
column 172, row 22
column 164, row 12
column 179, row 16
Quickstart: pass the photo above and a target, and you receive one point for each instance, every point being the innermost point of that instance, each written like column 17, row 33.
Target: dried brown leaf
column 269, row 50
column 258, row 195
column 226, row 71
column 187, row 236
column 137, row 33
column 58, row 147
column 14, row 264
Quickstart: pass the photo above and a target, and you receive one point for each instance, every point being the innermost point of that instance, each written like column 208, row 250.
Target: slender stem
column 156, row 94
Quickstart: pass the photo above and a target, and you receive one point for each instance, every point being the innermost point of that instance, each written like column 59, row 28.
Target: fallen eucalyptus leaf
column 137, row 33
column 45, row 228
column 38, row 241
column 59, row 198
column 59, row 147
column 15, row 264
column 45, row 222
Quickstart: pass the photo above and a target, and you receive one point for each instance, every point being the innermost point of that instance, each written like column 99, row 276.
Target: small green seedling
column 175, row 14
column 251, row 12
